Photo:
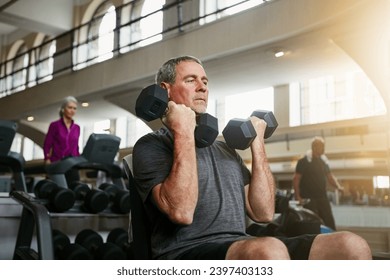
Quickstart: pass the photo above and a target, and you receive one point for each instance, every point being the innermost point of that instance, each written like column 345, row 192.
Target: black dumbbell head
column 74, row 251
column 119, row 197
column 151, row 103
column 239, row 133
column 118, row 236
column 269, row 118
column 59, row 199
column 110, row 251
column 64, row 250
column 89, row 239
column 60, row 240
column 80, row 189
column 96, row 201
column 206, row 130
column 109, row 188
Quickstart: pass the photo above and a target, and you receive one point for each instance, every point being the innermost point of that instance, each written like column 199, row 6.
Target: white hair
column 66, row 101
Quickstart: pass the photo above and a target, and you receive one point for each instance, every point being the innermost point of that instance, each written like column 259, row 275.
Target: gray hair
column 65, row 102
column 167, row 72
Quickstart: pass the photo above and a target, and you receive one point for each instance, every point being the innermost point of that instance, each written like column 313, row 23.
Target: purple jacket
column 61, row 142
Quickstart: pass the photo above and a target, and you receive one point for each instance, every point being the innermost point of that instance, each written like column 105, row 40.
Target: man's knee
column 340, row 245
column 356, row 246
column 260, row 248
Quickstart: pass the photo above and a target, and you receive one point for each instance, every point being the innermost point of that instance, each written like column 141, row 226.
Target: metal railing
column 76, row 48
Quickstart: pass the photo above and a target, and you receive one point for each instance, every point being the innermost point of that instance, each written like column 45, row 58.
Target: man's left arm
column 334, row 182
column 260, row 193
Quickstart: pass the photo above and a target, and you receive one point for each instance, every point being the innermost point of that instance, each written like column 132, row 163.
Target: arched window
column 3, row 81
column 41, row 61
column 19, row 69
column 45, row 64
column 142, row 23
column 152, row 25
column 94, row 40
column 101, row 33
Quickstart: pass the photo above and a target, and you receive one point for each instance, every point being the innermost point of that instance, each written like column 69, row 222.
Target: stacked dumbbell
column 92, row 200
column 93, row 242
column 119, row 197
column 120, row 237
column 65, row 250
column 152, row 103
column 59, row 199
column 240, row 133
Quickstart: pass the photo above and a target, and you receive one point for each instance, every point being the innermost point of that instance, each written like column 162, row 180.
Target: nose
column 202, row 86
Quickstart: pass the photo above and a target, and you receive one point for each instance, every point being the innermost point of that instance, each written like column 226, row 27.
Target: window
column 121, row 131
column 334, row 98
column 102, row 126
column 151, row 26
column 19, row 69
column 242, row 105
column 3, row 81
column 101, row 33
column 46, row 63
column 95, row 39
column 42, row 63
column 141, row 31
column 25, row 146
column 219, row 8
column 381, row 182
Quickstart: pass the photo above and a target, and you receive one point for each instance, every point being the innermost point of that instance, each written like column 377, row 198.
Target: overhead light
column 84, row 104
column 279, row 53
column 30, row 118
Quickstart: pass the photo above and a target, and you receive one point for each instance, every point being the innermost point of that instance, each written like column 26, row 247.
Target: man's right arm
column 177, row 195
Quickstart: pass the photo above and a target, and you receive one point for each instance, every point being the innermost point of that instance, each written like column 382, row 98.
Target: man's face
column 190, row 87
column 318, row 148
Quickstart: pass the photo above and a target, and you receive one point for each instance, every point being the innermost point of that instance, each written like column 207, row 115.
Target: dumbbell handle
column 239, row 133
column 269, row 118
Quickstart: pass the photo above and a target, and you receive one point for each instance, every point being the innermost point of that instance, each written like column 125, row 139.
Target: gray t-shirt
column 220, row 212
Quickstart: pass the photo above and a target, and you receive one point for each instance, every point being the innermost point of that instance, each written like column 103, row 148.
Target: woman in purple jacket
column 62, row 138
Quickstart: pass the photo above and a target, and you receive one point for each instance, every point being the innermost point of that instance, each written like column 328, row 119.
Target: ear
column 165, row 86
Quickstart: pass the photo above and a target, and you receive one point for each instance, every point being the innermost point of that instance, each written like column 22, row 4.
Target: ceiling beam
column 30, row 25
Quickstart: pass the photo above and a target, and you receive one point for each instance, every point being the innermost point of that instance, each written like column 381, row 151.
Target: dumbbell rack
column 34, row 216
column 37, row 220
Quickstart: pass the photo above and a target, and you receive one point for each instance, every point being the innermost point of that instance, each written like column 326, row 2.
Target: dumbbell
column 93, row 242
column 120, row 237
column 152, row 103
column 93, row 201
column 59, row 199
column 239, row 133
column 119, row 197
column 65, row 250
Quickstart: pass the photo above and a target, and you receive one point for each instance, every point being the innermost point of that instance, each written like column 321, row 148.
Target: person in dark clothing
column 312, row 174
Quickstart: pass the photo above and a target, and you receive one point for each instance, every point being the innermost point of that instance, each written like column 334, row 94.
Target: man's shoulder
column 152, row 137
column 303, row 159
column 303, row 162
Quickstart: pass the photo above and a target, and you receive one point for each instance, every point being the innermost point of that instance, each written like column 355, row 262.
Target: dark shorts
column 298, row 247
